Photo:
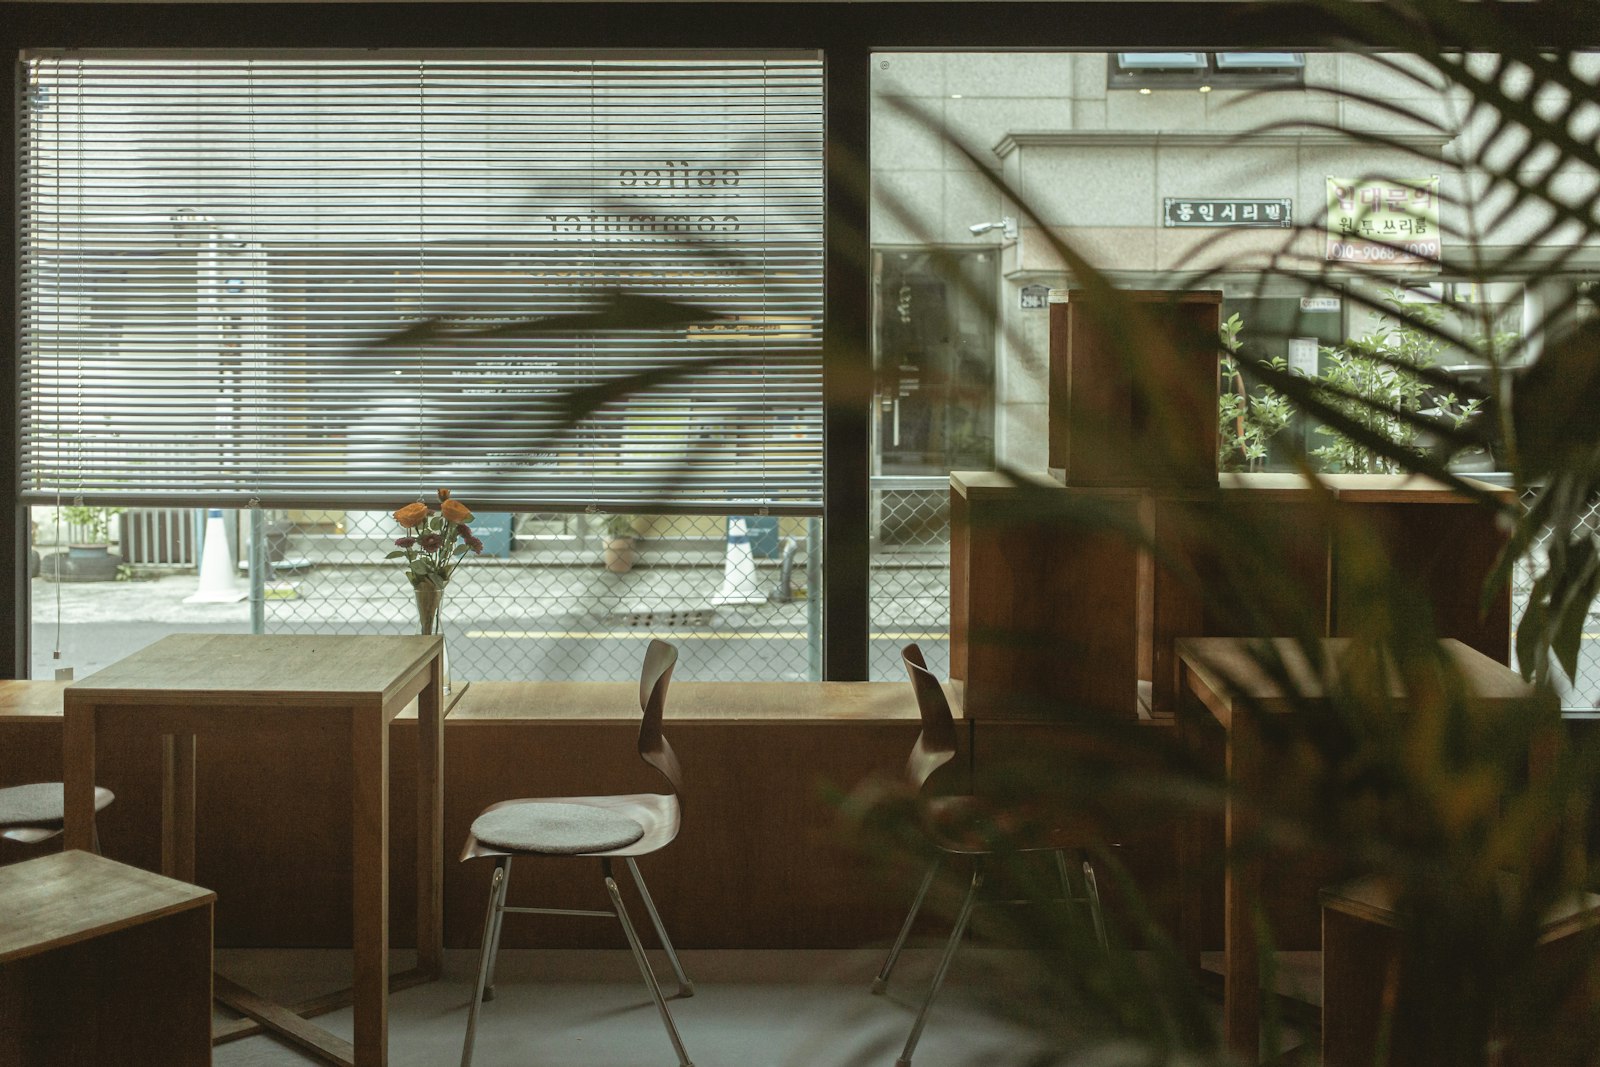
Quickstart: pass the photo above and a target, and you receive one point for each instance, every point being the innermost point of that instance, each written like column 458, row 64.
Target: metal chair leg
column 499, row 921
column 1092, row 888
column 1064, row 874
column 880, row 983
column 685, row 987
column 491, row 916
column 962, row 918
column 644, row 964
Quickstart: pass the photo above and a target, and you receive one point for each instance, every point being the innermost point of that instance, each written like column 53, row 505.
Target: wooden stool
column 1361, row 956
column 103, row 963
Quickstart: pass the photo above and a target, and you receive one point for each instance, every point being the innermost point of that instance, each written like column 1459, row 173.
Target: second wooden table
column 350, row 688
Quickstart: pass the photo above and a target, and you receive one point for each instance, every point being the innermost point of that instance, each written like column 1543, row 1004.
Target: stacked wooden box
column 1068, row 588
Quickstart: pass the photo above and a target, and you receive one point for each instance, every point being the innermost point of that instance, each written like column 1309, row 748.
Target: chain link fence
column 910, row 595
column 544, row 602
column 1583, row 691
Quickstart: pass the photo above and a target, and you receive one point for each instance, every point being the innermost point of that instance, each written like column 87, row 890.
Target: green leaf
column 396, row 554
column 1531, row 631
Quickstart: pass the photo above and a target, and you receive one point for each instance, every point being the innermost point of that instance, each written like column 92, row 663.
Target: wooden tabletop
column 1231, row 667
column 22, row 700
column 238, row 668
column 68, row 897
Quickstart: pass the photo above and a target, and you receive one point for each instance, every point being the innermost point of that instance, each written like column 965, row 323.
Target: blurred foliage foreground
column 1437, row 801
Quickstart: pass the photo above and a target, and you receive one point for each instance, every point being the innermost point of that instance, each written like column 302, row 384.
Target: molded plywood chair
column 595, row 827
column 34, row 813
column 936, row 746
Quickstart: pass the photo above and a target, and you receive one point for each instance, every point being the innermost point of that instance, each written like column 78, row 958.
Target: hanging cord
column 422, row 263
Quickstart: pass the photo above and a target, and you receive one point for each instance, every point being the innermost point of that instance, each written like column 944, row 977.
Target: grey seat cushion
column 40, row 804
column 558, row 829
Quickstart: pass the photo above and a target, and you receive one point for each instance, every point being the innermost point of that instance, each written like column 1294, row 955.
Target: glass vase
column 430, row 620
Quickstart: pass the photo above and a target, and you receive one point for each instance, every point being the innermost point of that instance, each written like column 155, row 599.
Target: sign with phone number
column 1393, row 222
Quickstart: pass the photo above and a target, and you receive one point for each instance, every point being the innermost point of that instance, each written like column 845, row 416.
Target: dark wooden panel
column 1133, row 388
column 1047, row 616
column 1249, row 560
column 1442, row 550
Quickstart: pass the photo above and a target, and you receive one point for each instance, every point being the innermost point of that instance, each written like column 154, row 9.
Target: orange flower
column 412, row 515
column 455, row 511
column 444, row 494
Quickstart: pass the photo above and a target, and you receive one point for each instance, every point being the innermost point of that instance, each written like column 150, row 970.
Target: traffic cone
column 739, row 585
column 218, row 583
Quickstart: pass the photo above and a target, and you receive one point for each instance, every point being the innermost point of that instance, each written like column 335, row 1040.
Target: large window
column 308, row 288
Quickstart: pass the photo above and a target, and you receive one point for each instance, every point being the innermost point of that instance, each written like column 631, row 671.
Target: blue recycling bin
column 493, row 528
column 763, row 533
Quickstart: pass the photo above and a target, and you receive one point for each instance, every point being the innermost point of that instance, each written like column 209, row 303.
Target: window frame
column 846, row 34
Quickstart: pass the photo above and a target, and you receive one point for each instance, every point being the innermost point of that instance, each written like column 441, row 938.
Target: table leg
column 177, row 806
column 77, row 776
column 369, row 751
column 430, row 823
column 1241, row 966
column 1189, row 831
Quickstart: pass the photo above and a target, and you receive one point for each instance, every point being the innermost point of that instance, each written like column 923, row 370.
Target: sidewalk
column 525, row 587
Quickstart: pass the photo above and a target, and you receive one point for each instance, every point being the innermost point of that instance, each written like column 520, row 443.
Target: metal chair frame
column 661, row 814
column 936, row 746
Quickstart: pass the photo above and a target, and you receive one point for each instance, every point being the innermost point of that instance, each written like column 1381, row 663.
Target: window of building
column 1149, row 71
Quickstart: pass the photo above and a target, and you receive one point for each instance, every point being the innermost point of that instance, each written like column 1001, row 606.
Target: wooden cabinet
column 1066, row 596
column 1042, row 597
column 1250, row 558
column 1426, row 539
column 103, row 963
column 1118, row 422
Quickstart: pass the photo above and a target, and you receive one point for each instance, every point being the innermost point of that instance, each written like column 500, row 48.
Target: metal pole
column 258, row 571
column 814, row 598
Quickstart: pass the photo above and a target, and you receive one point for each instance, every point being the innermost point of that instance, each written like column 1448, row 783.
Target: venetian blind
column 226, row 259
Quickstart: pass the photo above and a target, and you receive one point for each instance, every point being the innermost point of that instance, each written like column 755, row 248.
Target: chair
column 604, row 828
column 936, row 746
column 34, row 813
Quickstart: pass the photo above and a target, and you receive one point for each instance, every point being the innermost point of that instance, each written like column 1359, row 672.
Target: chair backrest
column 936, row 744
column 656, row 675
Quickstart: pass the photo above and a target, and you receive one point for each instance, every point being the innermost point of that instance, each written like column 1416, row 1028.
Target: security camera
column 1007, row 225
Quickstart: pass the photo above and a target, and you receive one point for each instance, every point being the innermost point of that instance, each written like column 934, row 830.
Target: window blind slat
column 213, row 249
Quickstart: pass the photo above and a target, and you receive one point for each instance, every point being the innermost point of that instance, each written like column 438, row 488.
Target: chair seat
column 970, row 825
column 627, row 825
column 41, row 805
column 556, row 829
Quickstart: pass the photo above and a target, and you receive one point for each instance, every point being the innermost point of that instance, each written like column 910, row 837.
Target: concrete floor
column 590, row 1009
column 750, row 1009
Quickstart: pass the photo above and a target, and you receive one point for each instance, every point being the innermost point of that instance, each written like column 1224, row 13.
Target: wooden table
column 347, row 688
column 1224, row 676
column 103, row 963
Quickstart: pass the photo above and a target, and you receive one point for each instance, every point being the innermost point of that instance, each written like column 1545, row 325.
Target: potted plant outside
column 88, row 560
column 621, row 543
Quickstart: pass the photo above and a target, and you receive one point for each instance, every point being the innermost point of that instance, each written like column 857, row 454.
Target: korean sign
column 1394, row 222
column 1183, row 212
